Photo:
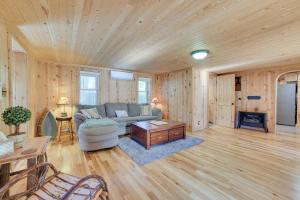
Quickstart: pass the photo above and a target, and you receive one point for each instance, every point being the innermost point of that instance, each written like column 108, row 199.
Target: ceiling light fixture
column 200, row 54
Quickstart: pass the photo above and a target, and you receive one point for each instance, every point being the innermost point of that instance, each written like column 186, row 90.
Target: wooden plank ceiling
column 157, row 35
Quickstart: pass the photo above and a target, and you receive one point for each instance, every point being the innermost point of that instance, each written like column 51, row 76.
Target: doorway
column 221, row 97
column 287, row 104
column 18, row 73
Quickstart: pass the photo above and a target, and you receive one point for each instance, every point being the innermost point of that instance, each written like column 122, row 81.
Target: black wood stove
column 252, row 119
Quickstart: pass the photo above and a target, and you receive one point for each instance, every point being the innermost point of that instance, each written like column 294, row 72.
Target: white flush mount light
column 200, row 54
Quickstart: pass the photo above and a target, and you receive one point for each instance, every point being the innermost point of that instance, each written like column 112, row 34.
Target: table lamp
column 63, row 101
column 155, row 101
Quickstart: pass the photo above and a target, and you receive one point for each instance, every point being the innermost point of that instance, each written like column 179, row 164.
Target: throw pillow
column 91, row 113
column 121, row 113
column 85, row 113
column 146, row 110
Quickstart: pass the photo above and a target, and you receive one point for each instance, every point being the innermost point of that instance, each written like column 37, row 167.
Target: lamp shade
column 155, row 100
column 63, row 101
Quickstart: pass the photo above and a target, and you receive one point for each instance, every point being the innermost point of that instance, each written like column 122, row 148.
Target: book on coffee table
column 158, row 123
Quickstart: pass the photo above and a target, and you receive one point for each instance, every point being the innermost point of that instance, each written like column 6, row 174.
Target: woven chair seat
column 60, row 186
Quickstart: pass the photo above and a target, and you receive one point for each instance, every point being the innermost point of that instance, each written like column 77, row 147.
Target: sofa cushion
column 91, row 113
column 84, row 133
column 111, row 108
column 95, row 123
column 121, row 113
column 126, row 121
column 100, row 108
column 134, row 109
column 146, row 110
column 147, row 118
column 79, row 118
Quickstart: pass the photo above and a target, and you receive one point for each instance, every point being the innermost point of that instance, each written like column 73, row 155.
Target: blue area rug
column 143, row 156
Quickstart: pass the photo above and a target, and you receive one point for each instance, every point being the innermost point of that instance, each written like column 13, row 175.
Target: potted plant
column 16, row 116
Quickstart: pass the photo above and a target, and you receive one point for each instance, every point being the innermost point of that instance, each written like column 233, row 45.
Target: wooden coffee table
column 149, row 134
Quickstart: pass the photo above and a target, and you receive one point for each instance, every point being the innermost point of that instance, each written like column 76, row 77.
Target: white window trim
column 97, row 89
column 148, row 90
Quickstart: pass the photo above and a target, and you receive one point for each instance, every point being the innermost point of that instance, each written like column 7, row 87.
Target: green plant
column 16, row 116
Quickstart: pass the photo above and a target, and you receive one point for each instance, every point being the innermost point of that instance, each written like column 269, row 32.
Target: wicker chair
column 57, row 185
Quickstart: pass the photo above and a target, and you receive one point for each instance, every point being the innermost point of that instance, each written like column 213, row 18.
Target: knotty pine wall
column 58, row 80
column 183, row 96
column 200, row 83
column 174, row 92
column 33, row 95
column 4, row 61
column 9, row 74
column 18, row 84
column 40, row 84
column 260, row 82
column 22, row 87
column 212, row 98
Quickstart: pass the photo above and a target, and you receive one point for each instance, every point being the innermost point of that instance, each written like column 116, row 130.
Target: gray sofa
column 94, row 134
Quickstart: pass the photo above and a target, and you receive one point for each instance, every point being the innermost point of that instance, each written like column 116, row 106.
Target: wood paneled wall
column 261, row 82
column 199, row 108
column 33, row 94
column 174, row 92
column 38, row 85
column 22, row 90
column 58, row 80
column 19, row 78
column 4, row 61
column 257, row 83
column 10, row 82
column 212, row 98
column 183, row 96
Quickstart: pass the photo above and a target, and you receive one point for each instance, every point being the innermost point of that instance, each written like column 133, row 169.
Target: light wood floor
column 230, row 164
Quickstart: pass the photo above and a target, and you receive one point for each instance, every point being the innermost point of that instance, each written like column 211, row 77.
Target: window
column 89, row 88
column 121, row 75
column 144, row 91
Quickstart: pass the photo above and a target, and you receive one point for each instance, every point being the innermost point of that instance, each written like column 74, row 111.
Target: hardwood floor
column 230, row 164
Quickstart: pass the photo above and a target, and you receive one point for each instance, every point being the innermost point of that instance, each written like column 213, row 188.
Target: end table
column 60, row 121
column 38, row 156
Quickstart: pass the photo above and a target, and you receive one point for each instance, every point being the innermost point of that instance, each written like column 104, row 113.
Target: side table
column 39, row 144
column 60, row 121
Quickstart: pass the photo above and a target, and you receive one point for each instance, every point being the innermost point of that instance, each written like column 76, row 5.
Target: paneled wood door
column 225, row 100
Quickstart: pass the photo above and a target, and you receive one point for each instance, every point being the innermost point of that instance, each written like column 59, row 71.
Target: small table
column 149, row 134
column 60, row 121
column 34, row 158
